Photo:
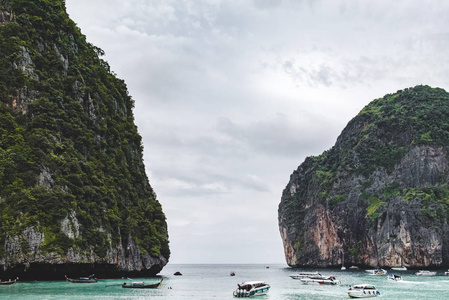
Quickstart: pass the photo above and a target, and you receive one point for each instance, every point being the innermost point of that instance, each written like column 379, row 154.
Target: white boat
column 426, row 273
column 321, row 280
column 395, row 277
column 401, row 268
column 363, row 291
column 377, row 272
column 251, row 288
column 302, row 275
column 446, row 273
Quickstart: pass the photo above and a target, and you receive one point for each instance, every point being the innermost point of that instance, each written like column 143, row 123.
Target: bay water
column 214, row 282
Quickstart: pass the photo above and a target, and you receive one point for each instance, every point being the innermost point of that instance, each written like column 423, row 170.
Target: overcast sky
column 232, row 95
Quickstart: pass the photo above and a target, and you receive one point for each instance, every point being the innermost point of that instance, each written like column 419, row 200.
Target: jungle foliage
column 384, row 131
column 68, row 142
column 377, row 138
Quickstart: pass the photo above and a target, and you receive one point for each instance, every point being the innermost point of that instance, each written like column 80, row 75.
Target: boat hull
column 304, row 275
column 361, row 295
column 394, row 278
column 240, row 293
column 141, row 285
column 377, row 272
column 82, row 280
column 320, row 281
column 363, row 291
column 149, row 286
column 426, row 273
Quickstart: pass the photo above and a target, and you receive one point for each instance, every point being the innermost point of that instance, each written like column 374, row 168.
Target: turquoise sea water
column 214, row 282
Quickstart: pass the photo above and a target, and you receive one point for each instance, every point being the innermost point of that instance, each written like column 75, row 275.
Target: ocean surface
column 214, row 282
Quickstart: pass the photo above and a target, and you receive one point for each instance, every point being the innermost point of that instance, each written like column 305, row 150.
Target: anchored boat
column 363, row 291
column 377, row 272
column 302, row 275
column 395, row 277
column 251, row 288
column 89, row 279
column 141, row 285
column 426, row 273
column 322, row 280
column 9, row 282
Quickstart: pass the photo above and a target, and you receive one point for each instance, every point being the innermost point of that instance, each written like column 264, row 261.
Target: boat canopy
column 365, row 286
column 251, row 284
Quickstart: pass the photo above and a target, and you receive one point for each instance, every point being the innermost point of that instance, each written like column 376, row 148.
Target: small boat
column 321, row 280
column 446, row 273
column 9, row 282
column 395, row 277
column 353, row 268
column 426, row 273
column 401, row 268
column 89, row 279
column 232, row 273
column 377, row 272
column 251, row 288
column 363, row 291
column 302, row 275
column 141, row 285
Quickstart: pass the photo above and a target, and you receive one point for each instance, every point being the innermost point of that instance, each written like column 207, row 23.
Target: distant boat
column 9, row 282
column 401, row 268
column 232, row 273
column 251, row 288
column 141, row 285
column 89, row 279
column 353, row 268
column 395, row 277
column 302, row 275
column 426, row 273
column 377, row 272
column 321, row 280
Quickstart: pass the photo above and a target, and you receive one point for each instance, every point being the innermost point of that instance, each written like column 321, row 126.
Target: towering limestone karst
column 74, row 196
column 380, row 195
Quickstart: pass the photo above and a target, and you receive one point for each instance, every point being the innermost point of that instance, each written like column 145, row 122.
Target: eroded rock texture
column 380, row 196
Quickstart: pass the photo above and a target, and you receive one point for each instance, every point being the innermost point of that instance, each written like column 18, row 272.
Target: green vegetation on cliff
column 382, row 187
column 68, row 142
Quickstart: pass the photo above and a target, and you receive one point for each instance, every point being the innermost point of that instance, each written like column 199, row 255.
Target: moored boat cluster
column 364, row 290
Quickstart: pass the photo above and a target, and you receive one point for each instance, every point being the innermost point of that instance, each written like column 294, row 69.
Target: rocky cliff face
column 74, row 196
column 380, row 196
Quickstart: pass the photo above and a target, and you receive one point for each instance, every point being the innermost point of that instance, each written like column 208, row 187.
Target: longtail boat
column 9, row 282
column 89, row 279
column 141, row 285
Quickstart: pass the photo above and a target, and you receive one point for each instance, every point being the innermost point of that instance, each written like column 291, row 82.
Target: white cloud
column 231, row 96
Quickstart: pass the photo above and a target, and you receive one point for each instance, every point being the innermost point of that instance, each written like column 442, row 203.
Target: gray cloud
column 231, row 96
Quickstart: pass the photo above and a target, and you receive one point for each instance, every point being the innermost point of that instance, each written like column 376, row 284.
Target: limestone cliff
column 74, row 196
column 380, row 195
